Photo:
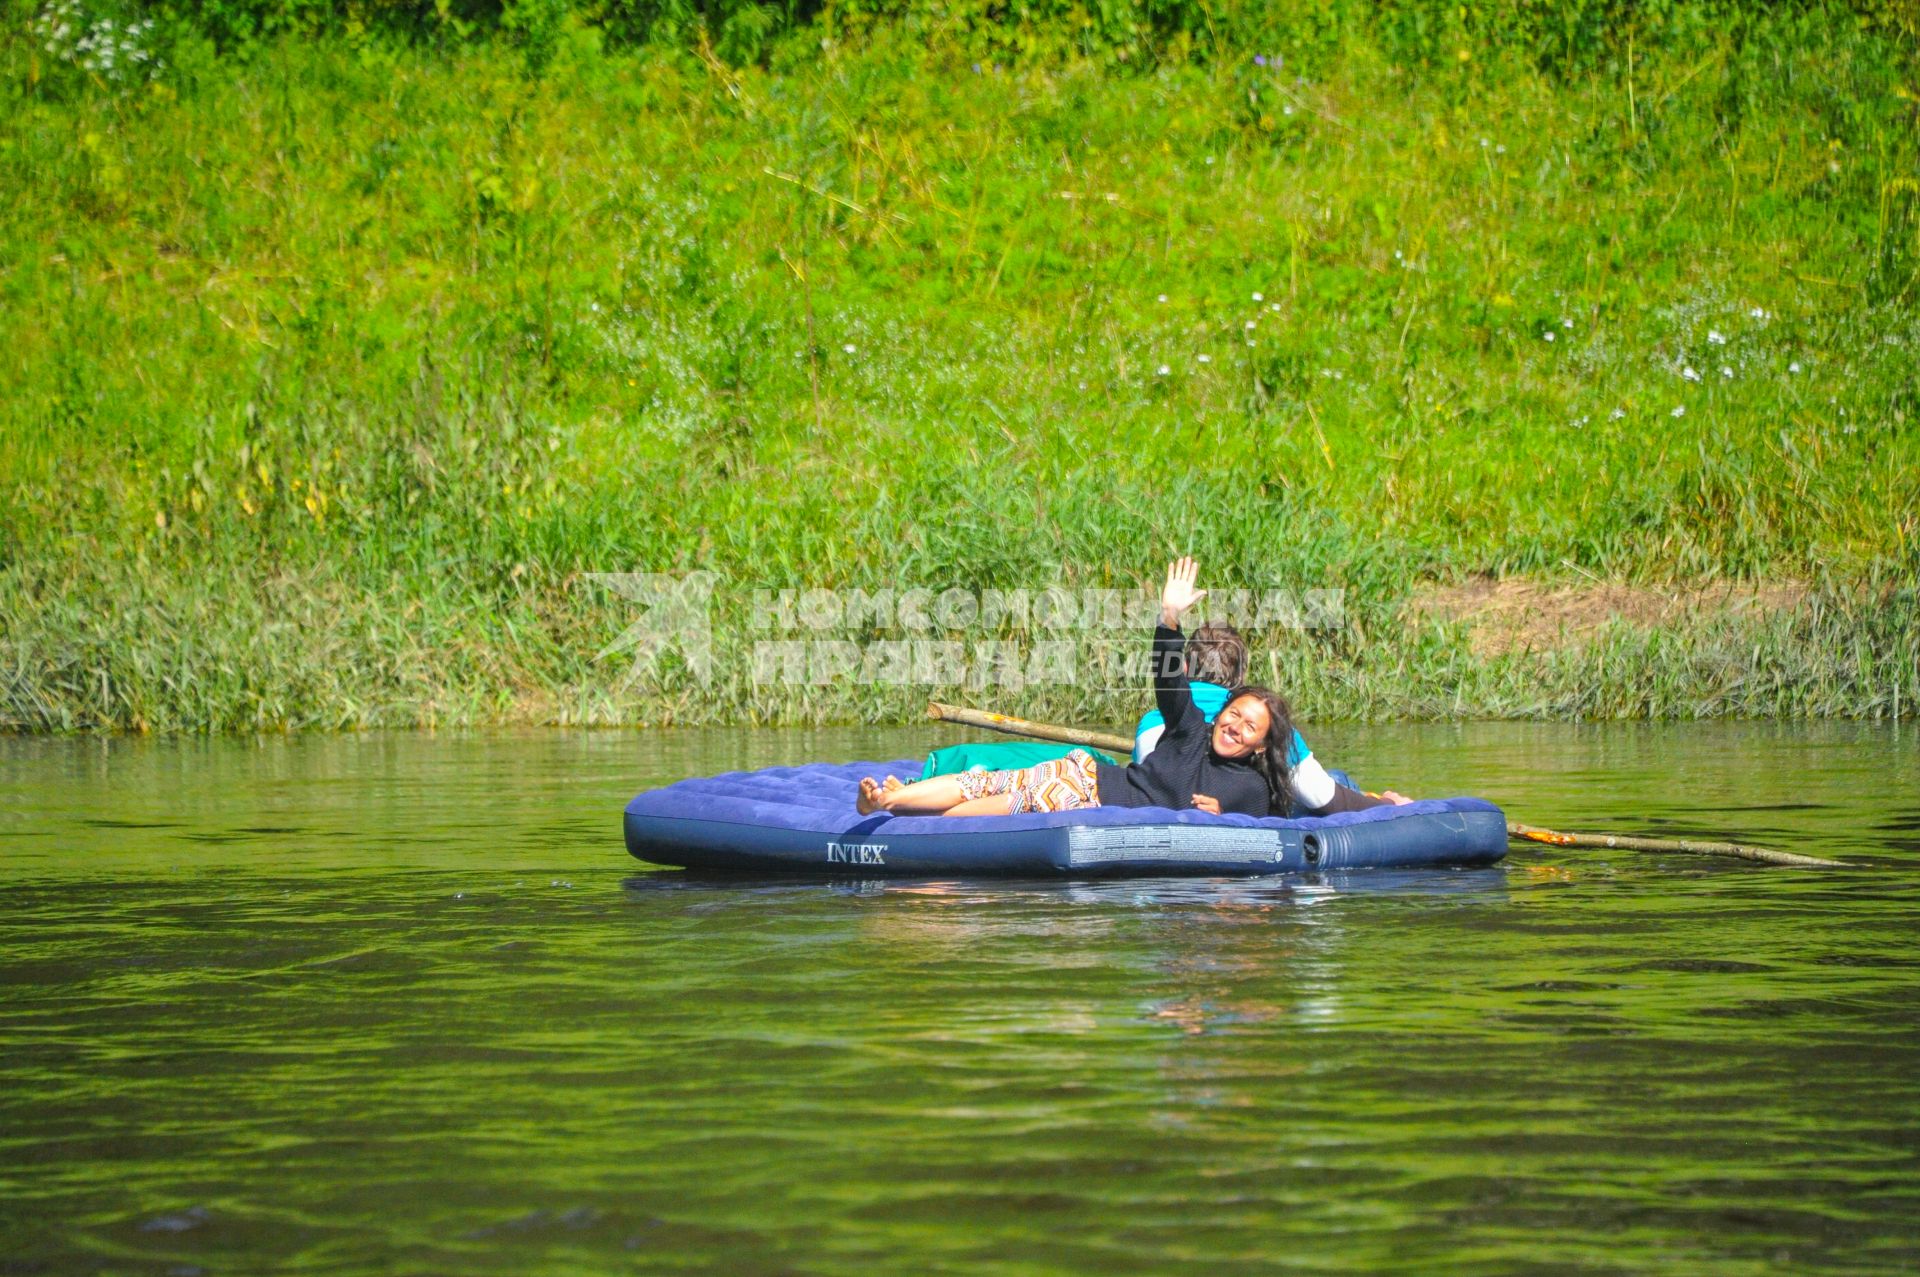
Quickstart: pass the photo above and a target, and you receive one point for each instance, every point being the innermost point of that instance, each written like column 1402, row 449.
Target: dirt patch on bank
column 1521, row 615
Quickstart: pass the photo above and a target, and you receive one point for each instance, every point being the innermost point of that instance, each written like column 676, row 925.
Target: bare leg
column 921, row 798
column 991, row 805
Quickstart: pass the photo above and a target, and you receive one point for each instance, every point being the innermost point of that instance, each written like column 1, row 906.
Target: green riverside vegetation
column 339, row 357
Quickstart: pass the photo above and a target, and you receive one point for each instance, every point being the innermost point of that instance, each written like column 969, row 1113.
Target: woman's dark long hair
column 1270, row 760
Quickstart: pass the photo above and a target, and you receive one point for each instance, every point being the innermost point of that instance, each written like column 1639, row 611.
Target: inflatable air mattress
column 802, row 819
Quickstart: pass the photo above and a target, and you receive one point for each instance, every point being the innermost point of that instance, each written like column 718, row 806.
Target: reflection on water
column 402, row 1003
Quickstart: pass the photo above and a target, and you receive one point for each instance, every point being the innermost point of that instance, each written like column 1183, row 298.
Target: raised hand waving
column 1178, row 594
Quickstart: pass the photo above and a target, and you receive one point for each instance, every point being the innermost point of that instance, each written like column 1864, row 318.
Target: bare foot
column 1398, row 800
column 892, row 783
column 871, row 797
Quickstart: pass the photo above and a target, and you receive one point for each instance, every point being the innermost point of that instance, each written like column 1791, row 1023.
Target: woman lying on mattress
column 1238, row 763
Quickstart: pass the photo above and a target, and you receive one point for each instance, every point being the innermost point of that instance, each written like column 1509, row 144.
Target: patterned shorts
column 1063, row 784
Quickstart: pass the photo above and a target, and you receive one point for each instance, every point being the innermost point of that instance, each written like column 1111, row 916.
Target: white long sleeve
column 1311, row 784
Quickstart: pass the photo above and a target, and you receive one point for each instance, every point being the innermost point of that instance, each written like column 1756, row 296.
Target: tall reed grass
column 334, row 369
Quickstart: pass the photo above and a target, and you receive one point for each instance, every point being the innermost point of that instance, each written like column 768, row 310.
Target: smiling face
column 1241, row 728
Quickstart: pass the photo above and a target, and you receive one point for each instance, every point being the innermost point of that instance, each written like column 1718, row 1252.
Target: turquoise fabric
column 1210, row 699
column 996, row 756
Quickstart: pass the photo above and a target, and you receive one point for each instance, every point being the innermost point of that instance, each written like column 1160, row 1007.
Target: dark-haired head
column 1257, row 725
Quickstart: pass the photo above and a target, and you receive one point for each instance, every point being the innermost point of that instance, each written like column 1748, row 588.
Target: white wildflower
column 1206, row 359
column 1715, row 337
column 1726, row 372
column 1162, row 371
column 1690, row 374
column 1794, row 366
column 1680, row 410
column 1257, row 297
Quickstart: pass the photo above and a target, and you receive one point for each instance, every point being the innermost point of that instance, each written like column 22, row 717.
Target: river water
column 402, row 1003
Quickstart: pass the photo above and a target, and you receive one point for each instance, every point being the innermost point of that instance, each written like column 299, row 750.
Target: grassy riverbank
column 334, row 369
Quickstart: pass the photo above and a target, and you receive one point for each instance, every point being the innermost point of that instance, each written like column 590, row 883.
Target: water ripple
column 401, row 1004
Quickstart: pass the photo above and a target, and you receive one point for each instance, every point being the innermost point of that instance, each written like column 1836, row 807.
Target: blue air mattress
column 802, row 819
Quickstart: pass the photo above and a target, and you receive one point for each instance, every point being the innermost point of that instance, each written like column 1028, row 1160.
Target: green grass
column 333, row 369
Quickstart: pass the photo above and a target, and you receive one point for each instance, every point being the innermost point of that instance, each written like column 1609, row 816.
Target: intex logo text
column 856, row 853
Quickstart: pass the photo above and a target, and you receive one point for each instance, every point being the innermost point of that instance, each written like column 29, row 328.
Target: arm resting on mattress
column 1345, row 799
